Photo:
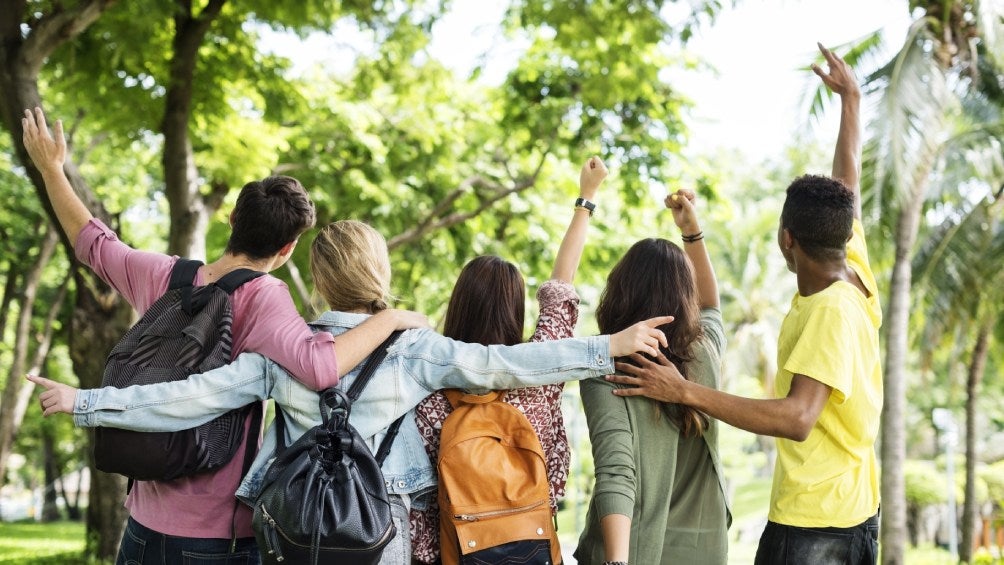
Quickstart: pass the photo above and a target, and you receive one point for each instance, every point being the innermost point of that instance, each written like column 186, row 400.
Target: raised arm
column 48, row 152
column 570, row 251
column 847, row 155
column 681, row 204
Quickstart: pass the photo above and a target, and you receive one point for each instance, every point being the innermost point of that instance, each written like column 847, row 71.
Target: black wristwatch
column 589, row 207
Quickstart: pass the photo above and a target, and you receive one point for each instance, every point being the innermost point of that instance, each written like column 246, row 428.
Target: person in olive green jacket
column 659, row 495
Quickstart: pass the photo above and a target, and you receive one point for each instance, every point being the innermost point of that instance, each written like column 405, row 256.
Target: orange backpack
column 494, row 498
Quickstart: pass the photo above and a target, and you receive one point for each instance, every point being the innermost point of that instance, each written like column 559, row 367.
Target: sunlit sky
column 759, row 49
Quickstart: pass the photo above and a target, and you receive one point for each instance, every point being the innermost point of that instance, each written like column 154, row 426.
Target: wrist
column 585, row 204
column 48, row 170
column 692, row 236
column 851, row 96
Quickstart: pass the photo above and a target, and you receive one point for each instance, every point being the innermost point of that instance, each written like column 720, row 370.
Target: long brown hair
column 487, row 305
column 655, row 278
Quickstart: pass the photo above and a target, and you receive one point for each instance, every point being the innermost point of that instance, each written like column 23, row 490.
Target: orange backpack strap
column 457, row 396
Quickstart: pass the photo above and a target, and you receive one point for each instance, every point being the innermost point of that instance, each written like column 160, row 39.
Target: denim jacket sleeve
column 436, row 362
column 178, row 405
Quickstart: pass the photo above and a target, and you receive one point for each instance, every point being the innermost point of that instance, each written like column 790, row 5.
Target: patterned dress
column 559, row 311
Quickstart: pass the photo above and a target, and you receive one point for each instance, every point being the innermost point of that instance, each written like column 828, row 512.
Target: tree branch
column 218, row 191
column 56, row 28
column 435, row 220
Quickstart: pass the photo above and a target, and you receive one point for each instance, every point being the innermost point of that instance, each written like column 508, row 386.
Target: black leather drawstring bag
column 324, row 499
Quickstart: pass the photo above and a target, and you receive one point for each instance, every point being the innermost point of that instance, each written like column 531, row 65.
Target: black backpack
column 185, row 332
column 324, row 499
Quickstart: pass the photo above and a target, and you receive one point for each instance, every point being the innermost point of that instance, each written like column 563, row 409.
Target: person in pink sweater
column 198, row 517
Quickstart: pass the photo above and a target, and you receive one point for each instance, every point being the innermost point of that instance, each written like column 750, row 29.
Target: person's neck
column 815, row 276
column 231, row 262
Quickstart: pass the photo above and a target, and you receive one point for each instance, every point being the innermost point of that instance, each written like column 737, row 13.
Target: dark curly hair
column 819, row 213
column 655, row 278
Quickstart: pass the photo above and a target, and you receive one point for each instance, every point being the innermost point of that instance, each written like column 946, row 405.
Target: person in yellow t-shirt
column 825, row 497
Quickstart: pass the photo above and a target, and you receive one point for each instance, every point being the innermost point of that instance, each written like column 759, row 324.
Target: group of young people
column 659, row 493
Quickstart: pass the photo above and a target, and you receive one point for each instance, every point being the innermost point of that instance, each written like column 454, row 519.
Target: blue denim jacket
column 418, row 363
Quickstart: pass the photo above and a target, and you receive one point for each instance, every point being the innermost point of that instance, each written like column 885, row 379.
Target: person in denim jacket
column 351, row 269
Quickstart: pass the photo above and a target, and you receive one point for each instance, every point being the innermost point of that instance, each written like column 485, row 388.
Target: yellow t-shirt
column 831, row 478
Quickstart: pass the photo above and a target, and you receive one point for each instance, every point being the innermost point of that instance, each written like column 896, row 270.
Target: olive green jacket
column 671, row 486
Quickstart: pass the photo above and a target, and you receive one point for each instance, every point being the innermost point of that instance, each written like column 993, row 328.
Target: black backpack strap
column 377, row 357
column 234, row 279
column 388, row 440
column 279, row 425
column 183, row 273
column 183, row 278
column 251, row 447
column 250, row 451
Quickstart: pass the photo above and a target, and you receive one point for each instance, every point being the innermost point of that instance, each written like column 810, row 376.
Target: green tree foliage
column 177, row 103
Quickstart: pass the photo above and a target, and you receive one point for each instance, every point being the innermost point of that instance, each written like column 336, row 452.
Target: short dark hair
column 655, row 278
column 487, row 305
column 269, row 214
column 819, row 213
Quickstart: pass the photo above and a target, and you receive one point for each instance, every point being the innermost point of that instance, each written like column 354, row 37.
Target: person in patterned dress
column 465, row 320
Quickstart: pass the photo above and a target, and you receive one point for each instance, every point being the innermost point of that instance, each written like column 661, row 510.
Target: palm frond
column 906, row 136
column 859, row 54
column 958, row 265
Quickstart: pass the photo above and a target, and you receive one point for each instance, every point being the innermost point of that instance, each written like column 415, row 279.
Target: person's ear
column 285, row 250
column 231, row 220
column 787, row 240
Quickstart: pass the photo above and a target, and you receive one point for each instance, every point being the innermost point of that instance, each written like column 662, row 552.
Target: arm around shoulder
column 791, row 417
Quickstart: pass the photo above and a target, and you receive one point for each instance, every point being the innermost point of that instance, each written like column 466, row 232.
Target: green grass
column 62, row 543
column 31, row 543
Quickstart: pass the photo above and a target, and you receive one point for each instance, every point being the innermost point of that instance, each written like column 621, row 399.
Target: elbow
column 799, row 427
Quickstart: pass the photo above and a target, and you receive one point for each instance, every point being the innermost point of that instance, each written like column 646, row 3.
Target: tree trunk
column 50, row 507
column 9, row 288
column 10, row 418
column 189, row 210
column 106, row 514
column 100, row 317
column 893, row 530
column 977, row 365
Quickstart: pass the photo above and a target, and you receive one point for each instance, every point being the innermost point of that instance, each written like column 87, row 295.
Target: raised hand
column 644, row 337
column 681, row 203
column 56, row 398
column 839, row 76
column 592, row 174
column 47, row 151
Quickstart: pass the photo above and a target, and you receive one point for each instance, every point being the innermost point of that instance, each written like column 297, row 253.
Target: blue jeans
column 398, row 551
column 792, row 545
column 143, row 546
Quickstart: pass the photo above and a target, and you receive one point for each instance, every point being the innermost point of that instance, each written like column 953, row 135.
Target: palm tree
column 959, row 266
column 914, row 138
